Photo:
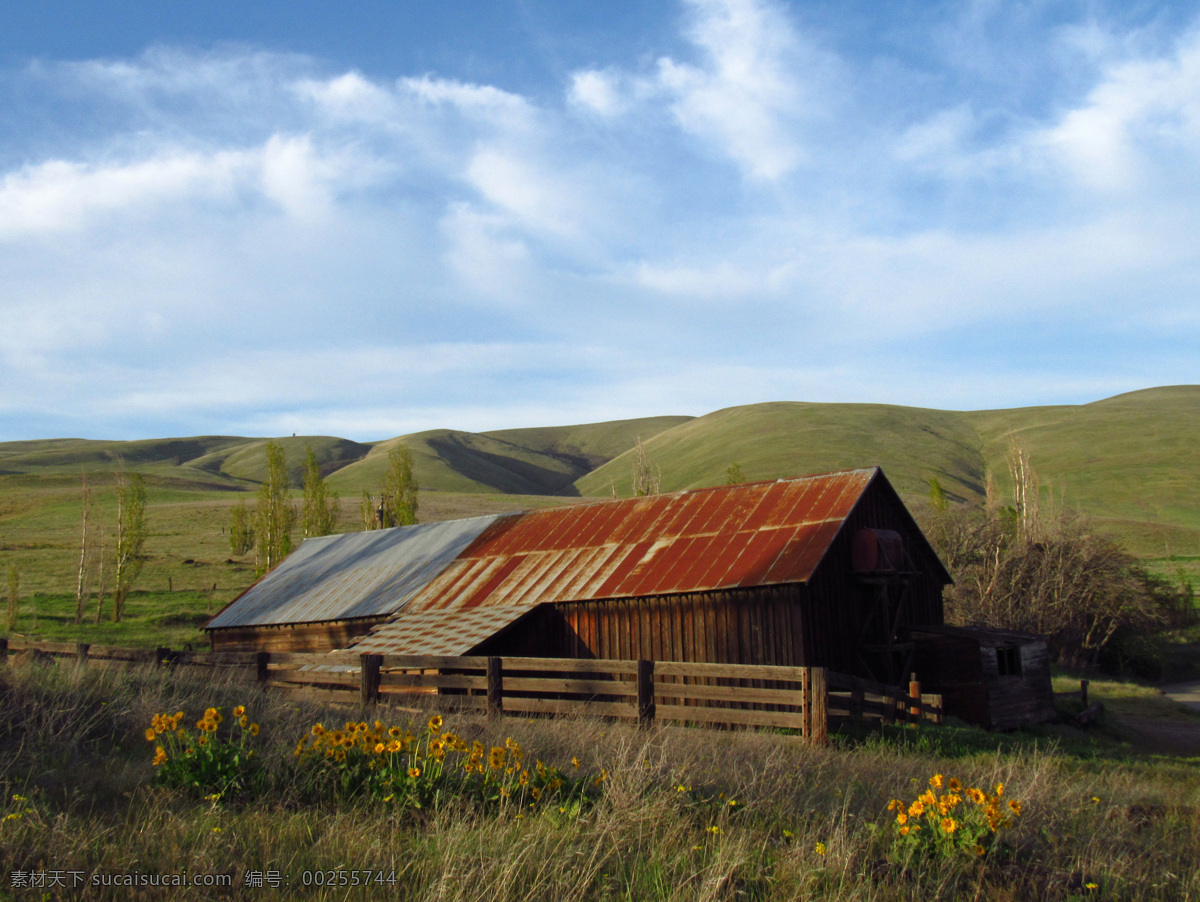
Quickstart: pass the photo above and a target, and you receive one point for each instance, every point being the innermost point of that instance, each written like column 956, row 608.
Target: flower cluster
column 949, row 819
column 210, row 761
column 419, row 769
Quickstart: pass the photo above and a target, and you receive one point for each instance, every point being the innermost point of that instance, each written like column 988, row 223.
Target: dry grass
column 71, row 745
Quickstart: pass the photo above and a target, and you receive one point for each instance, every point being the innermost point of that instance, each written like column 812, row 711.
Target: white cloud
column 598, row 92
column 747, row 98
column 1142, row 111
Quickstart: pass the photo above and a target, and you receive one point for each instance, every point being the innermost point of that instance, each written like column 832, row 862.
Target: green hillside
column 1132, row 461
column 769, row 441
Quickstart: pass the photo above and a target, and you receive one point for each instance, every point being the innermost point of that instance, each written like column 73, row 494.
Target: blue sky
column 380, row 218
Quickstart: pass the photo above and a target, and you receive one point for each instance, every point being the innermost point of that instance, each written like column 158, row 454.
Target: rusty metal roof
column 359, row 574
column 721, row 538
column 437, row 632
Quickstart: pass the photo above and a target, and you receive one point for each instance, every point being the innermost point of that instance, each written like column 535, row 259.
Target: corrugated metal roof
column 437, row 632
column 722, row 538
column 353, row 575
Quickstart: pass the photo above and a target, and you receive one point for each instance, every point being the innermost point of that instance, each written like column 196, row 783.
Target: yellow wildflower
column 1015, row 806
column 935, row 782
column 949, row 825
column 435, row 723
column 253, row 729
column 160, row 756
column 150, row 734
column 239, row 711
column 414, row 772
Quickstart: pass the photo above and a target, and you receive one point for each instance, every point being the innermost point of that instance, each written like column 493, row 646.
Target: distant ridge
column 1132, row 460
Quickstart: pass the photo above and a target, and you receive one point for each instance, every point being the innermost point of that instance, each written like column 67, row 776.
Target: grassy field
column 1129, row 462
column 680, row 814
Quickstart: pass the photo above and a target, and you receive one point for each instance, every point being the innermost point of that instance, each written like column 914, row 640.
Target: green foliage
column 734, row 475
column 213, row 762
column 431, row 767
column 399, row 489
column 320, row 507
column 949, row 820
column 14, row 596
column 241, row 529
column 131, row 536
column 366, row 509
column 937, row 495
column 274, row 516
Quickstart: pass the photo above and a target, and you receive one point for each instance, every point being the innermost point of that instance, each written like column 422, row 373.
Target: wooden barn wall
column 835, row 594
column 300, row 637
column 755, row 626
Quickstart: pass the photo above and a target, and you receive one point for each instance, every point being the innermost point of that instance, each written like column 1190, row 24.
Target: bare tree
column 646, row 475
column 1025, row 490
column 82, row 589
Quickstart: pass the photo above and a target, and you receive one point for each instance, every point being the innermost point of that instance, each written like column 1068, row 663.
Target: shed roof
column 359, row 574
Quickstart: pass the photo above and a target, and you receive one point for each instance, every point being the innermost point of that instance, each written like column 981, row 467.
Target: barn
column 828, row 570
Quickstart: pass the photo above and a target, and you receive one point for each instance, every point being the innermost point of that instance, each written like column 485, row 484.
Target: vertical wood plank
column 3, row 649
column 819, row 692
column 81, row 653
column 369, row 678
column 262, row 661
column 645, row 692
column 495, row 687
column 914, row 692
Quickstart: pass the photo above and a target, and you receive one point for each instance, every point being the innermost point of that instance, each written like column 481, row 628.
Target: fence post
column 887, row 701
column 495, row 687
column 81, row 653
column 262, row 661
column 818, row 720
column 1083, row 687
column 370, row 678
column 645, row 692
column 163, row 657
column 856, row 699
column 4, row 650
column 914, row 692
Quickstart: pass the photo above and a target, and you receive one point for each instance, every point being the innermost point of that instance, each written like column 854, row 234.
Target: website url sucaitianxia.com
column 67, row 879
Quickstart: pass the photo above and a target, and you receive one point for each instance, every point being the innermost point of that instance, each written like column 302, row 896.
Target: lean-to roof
column 360, row 574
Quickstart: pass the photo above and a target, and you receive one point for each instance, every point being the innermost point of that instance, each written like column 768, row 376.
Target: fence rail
column 811, row 700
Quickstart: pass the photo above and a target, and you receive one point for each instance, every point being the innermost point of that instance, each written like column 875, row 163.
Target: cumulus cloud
column 757, row 211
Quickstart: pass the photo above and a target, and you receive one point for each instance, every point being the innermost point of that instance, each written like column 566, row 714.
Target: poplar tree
column 274, row 516
column 241, row 529
column 320, row 506
column 400, row 489
column 86, row 552
column 131, row 536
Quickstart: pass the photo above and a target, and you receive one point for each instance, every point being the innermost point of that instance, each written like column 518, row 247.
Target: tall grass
column 685, row 814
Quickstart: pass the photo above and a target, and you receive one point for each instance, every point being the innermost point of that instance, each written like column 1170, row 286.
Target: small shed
column 995, row 678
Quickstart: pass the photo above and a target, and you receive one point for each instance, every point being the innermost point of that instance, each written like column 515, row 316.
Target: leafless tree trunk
column 82, row 590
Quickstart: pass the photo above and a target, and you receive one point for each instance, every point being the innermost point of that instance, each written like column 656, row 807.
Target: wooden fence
column 811, row 700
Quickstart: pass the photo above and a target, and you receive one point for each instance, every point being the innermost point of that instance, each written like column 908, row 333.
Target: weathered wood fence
column 811, row 700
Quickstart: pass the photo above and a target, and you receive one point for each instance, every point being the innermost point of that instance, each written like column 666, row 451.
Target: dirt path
column 1162, row 736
